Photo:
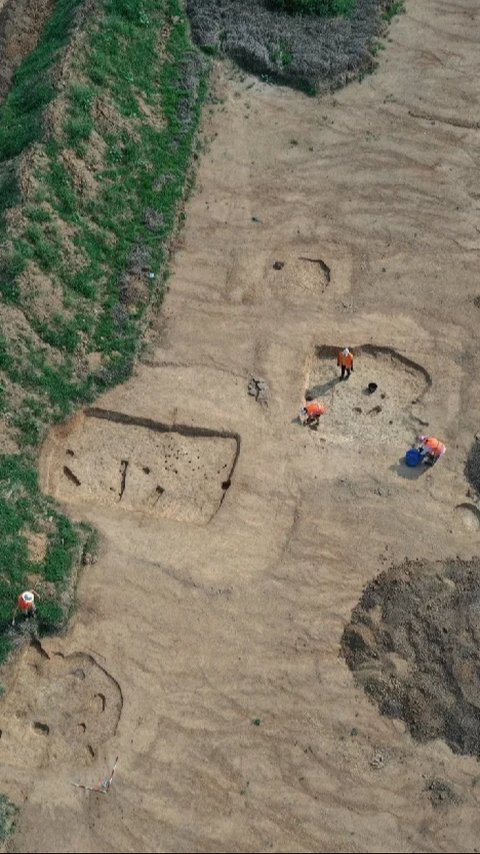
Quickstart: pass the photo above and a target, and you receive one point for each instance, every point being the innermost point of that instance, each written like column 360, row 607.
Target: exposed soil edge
column 330, row 351
column 21, row 23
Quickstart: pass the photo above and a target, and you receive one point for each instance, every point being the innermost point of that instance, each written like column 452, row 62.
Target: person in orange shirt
column 432, row 449
column 25, row 604
column 311, row 413
column 345, row 362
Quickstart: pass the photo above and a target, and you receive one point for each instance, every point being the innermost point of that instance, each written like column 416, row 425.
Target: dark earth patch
column 413, row 643
column 472, row 466
column 307, row 51
column 441, row 793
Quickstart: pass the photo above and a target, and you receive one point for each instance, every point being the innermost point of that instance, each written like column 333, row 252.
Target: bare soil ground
column 241, row 727
column 178, row 472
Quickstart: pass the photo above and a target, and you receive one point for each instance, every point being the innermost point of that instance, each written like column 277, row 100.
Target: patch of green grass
column 376, row 47
column 395, row 7
column 22, row 507
column 282, row 54
column 8, row 811
column 46, row 245
column 37, row 214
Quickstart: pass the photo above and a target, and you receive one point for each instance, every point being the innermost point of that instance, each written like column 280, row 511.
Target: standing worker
column 26, row 604
column 345, row 362
column 431, row 449
column 311, row 413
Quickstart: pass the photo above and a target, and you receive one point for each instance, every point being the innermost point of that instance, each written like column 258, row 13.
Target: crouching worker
column 431, row 449
column 345, row 363
column 311, row 413
column 25, row 604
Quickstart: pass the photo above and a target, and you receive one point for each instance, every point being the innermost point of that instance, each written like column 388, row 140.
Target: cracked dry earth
column 242, row 728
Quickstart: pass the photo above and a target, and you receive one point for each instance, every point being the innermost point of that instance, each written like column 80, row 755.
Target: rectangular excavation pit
column 376, row 405
column 137, row 464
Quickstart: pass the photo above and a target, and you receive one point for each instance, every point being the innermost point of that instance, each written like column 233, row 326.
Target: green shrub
column 8, row 812
column 395, row 7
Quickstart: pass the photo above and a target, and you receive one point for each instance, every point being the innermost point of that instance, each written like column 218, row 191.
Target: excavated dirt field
column 386, row 416
column 242, row 727
column 67, row 706
column 108, row 458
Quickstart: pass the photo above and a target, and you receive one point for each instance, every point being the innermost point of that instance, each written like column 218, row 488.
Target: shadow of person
column 320, row 390
column 409, row 472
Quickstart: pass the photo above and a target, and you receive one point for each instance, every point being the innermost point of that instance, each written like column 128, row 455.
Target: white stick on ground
column 103, row 786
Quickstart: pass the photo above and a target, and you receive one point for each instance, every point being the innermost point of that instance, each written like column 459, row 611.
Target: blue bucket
column 413, row 457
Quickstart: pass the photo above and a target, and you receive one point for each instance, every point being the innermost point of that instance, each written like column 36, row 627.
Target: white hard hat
column 346, row 351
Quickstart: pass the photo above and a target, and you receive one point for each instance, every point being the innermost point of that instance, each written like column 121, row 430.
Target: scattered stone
column 256, row 219
column 377, row 760
column 279, row 265
column 441, row 793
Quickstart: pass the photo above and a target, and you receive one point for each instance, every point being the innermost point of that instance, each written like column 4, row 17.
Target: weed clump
column 8, row 811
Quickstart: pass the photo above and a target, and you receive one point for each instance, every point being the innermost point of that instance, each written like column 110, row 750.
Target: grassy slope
column 93, row 162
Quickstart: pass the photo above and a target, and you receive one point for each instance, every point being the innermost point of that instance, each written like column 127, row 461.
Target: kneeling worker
column 345, row 362
column 311, row 413
column 432, row 449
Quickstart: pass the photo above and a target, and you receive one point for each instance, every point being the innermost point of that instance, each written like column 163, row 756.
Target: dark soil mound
column 307, row 51
column 472, row 467
column 414, row 645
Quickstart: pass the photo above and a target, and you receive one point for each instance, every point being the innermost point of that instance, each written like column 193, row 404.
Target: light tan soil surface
column 240, row 727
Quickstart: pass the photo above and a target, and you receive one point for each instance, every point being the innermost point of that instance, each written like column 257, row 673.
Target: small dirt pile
column 414, row 645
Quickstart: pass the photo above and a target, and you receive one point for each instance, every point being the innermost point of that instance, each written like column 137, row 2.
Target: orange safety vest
column 315, row 409
column 26, row 601
column 434, row 446
column 345, row 361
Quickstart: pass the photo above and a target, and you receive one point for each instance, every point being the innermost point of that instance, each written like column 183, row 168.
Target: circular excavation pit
column 414, row 645
column 375, row 405
column 65, row 706
column 109, row 458
column 468, row 515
